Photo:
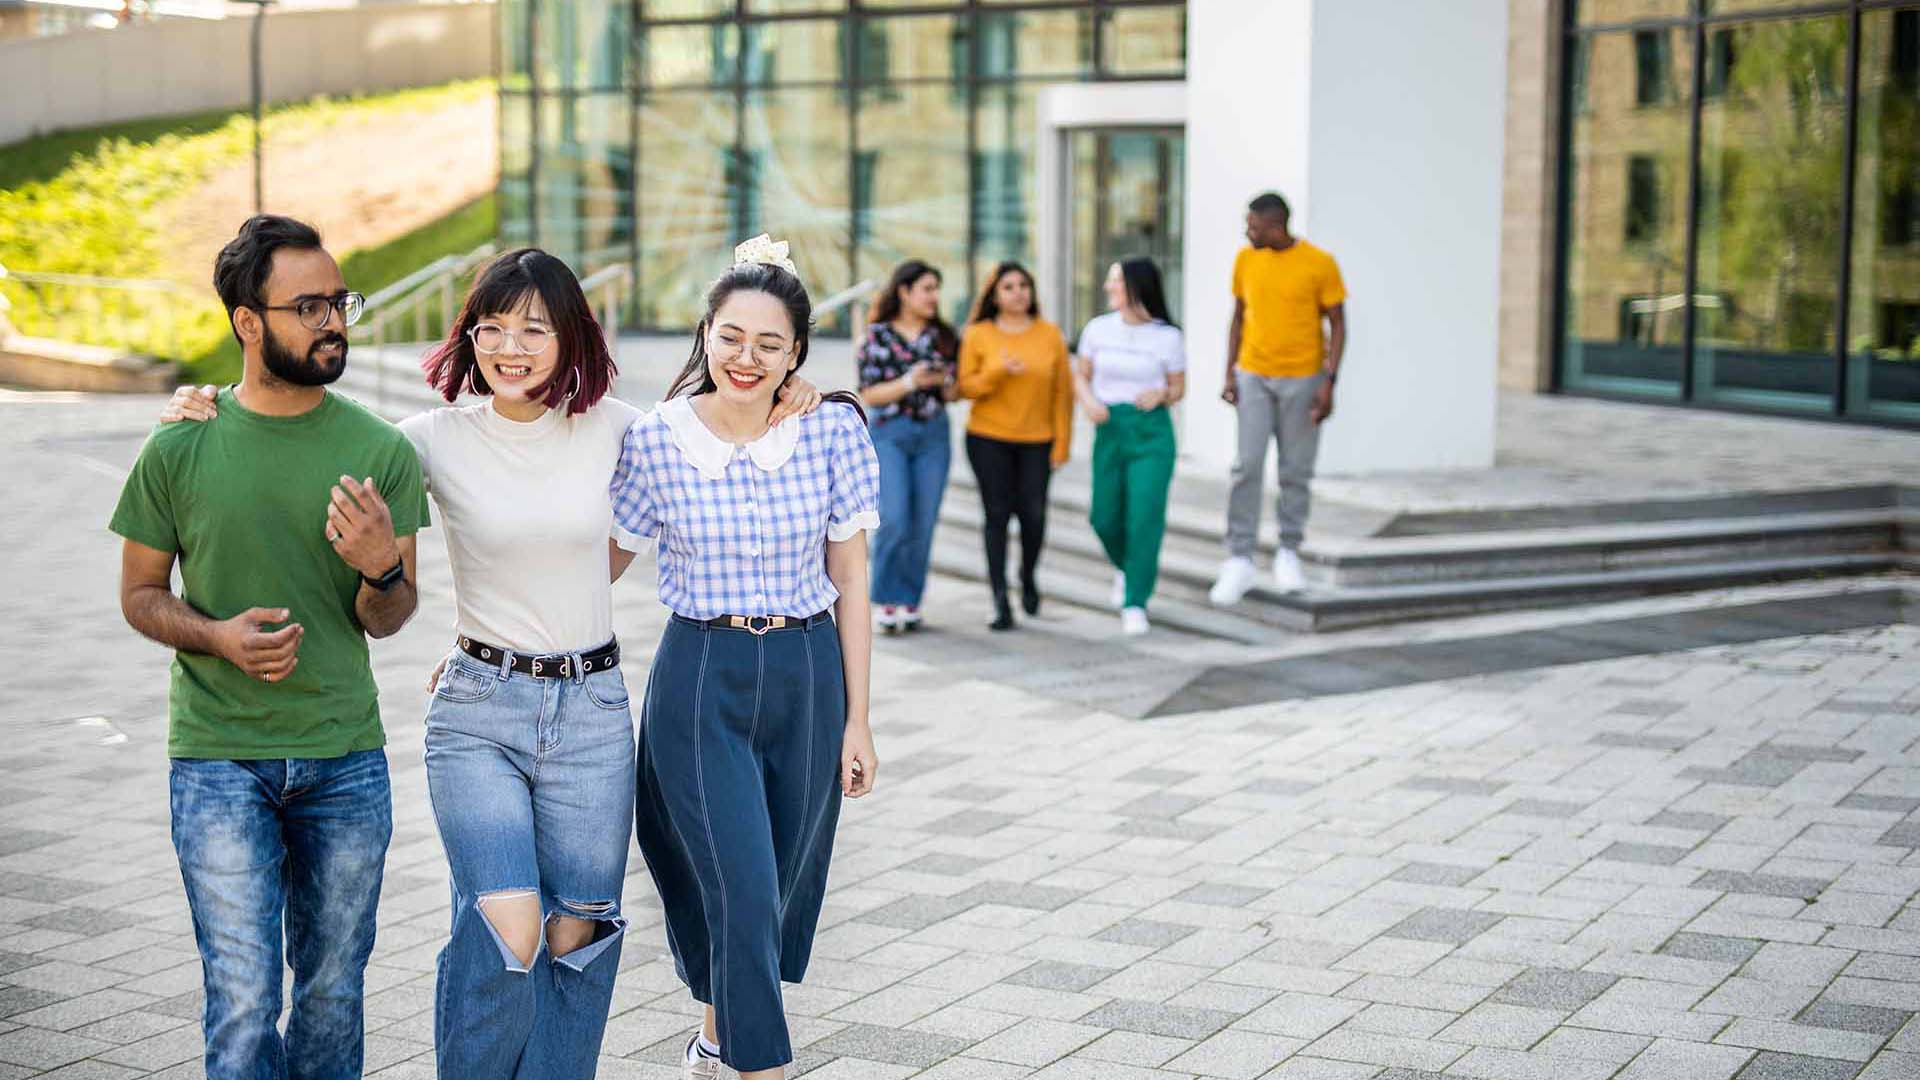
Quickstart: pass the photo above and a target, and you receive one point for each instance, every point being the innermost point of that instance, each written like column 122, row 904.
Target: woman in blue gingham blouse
column 744, row 531
column 755, row 721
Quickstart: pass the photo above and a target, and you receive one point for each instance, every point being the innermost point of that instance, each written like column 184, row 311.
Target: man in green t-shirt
column 292, row 516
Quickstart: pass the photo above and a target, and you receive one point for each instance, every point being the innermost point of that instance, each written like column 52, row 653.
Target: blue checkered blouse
column 743, row 530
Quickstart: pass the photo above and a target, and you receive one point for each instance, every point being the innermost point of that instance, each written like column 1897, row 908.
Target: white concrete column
column 1382, row 123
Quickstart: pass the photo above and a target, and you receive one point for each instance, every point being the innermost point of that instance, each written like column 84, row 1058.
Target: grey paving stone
column 1216, row 894
column 1510, row 1027
column 1635, row 741
column 1164, row 804
column 1153, row 1018
column 1452, row 926
column 916, row 912
column 1650, row 854
column 1020, row 895
column 1554, row 988
column 1772, row 1065
column 1736, row 881
column 1053, row 975
column 1427, row 873
column 922, row 762
column 42, row 1049
column 1906, row 834
column 1162, row 829
column 40, row 888
column 971, row 793
column 1453, row 785
column 13, row 841
column 1898, row 804
column 901, row 1047
column 1675, row 819
column 1278, row 785
column 1158, row 776
column 80, row 920
column 1757, row 769
column 1827, row 1013
column 1544, row 808
column 1718, row 947
column 1679, row 1059
column 1148, row 932
column 1657, row 708
column 945, row 865
column 19, row 999
column 971, row 823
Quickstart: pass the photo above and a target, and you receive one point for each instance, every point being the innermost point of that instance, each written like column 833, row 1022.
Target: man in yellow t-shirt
column 1281, row 367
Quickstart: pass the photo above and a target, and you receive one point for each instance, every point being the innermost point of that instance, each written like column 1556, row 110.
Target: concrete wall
column 189, row 65
column 1382, row 123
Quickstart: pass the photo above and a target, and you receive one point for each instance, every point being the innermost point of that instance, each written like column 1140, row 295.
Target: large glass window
column 661, row 132
column 1626, row 245
column 1712, row 249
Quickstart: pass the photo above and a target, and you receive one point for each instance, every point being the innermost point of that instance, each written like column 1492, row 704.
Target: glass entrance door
column 1126, row 197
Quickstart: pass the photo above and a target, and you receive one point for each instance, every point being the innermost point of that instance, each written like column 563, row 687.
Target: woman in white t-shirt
column 1130, row 368
column 529, row 741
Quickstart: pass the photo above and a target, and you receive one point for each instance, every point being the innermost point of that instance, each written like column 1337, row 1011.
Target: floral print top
column 887, row 355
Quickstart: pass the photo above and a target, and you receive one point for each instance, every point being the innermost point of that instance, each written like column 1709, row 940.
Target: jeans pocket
column 608, row 689
column 461, row 684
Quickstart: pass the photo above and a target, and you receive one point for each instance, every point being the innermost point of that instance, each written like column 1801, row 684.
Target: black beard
column 311, row 371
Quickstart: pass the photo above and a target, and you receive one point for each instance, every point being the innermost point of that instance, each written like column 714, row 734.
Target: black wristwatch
column 389, row 579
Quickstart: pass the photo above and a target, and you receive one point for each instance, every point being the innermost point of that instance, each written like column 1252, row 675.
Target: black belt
column 760, row 624
column 557, row 666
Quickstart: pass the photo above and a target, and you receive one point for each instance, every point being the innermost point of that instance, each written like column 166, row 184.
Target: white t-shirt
column 1130, row 357
column 526, row 515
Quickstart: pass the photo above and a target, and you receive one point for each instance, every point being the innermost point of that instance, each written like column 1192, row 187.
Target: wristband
column 385, row 582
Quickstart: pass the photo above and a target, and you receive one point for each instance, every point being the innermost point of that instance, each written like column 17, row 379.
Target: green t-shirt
column 243, row 500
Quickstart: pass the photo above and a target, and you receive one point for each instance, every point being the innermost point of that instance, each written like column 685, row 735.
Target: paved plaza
column 1670, row 838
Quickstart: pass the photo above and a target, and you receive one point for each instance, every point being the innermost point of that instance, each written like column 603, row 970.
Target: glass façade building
column 657, row 133
column 1739, row 220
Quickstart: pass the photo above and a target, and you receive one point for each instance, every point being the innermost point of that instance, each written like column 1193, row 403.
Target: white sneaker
column 1119, row 591
column 699, row 1065
column 887, row 618
column 910, row 618
column 1133, row 621
column 1236, row 577
column 1288, row 576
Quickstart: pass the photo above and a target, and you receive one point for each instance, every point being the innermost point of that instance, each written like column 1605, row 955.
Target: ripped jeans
column 282, row 851
column 532, row 788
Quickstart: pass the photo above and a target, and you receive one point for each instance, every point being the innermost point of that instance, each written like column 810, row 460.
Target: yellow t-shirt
column 1286, row 293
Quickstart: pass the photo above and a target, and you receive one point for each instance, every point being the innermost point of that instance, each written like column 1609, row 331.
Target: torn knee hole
column 578, row 924
column 514, row 919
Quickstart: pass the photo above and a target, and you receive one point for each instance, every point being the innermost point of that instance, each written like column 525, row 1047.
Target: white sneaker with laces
column 699, row 1065
column 1133, row 621
column 1288, row 575
column 1236, row 577
column 1119, row 590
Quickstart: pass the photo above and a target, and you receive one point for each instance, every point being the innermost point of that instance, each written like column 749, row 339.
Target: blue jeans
column 914, row 458
column 532, row 787
column 273, row 848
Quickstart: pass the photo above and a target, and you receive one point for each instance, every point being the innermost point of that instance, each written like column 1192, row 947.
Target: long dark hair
column 1142, row 278
column 586, row 369
column 886, row 304
column 986, row 308
column 697, row 378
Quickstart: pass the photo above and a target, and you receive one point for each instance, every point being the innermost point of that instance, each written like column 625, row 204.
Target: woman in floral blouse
column 906, row 379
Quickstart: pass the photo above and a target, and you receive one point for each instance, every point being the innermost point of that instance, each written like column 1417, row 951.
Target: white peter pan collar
column 709, row 453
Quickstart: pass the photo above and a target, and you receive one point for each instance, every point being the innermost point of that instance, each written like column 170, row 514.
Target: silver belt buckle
column 766, row 623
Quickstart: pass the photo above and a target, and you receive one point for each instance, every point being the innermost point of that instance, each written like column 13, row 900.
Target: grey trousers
column 1277, row 411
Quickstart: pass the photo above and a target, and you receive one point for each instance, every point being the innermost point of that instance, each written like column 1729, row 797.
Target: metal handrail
column 410, row 296
column 612, row 282
column 142, row 296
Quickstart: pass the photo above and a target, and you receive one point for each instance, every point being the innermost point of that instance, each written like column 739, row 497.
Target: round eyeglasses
column 315, row 311
column 492, row 338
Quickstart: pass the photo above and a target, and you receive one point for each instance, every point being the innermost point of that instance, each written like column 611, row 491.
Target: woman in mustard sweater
column 1015, row 368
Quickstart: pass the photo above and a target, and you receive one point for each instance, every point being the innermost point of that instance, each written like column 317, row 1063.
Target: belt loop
column 506, row 663
column 577, row 667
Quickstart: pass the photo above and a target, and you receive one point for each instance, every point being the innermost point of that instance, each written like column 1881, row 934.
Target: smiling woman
column 504, row 343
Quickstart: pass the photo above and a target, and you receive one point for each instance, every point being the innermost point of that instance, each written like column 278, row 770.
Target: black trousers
column 1013, row 479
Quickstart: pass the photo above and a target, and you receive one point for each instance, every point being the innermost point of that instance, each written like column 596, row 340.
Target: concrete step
column 1188, row 567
